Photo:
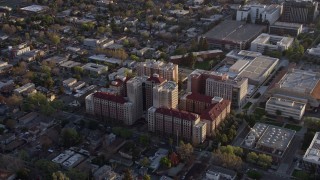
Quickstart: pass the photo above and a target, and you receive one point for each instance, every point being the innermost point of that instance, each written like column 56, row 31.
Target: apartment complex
column 311, row 158
column 230, row 35
column 135, row 95
column 285, row 29
column 215, row 114
column 153, row 81
column 266, row 43
column 168, row 71
column 299, row 11
column 220, row 85
column 166, row 95
column 259, row 12
column 196, row 103
column 287, row 107
column 178, row 124
column 106, row 105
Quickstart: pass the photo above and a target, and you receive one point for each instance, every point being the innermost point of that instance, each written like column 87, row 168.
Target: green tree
column 76, row 174
column 185, row 150
column 146, row 177
column 127, row 175
column 54, row 38
column 145, row 162
column 70, row 137
column 59, row 176
column 46, row 167
column 144, row 140
column 165, row 162
column 264, row 160
column 252, row 157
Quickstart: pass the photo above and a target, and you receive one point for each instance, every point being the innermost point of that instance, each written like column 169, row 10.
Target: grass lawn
column 202, row 65
column 301, row 175
column 293, row 127
column 247, row 105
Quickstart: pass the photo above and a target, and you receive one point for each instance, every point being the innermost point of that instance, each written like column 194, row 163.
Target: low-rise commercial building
column 266, row 43
column 286, row 108
column 259, row 13
column 299, row 85
column 269, row 139
column 311, row 158
column 95, row 68
column 230, row 35
column 251, row 65
column 285, row 29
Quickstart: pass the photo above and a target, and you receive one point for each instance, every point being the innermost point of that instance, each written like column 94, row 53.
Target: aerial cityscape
column 159, row 90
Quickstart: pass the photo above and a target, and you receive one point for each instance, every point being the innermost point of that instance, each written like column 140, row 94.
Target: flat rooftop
column 312, row 154
column 286, row 25
column 257, row 68
column 286, row 103
column 300, row 81
column 234, row 31
column 275, row 139
column 35, row 8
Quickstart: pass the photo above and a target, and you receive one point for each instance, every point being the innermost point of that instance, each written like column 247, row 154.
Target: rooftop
column 300, row 81
column 215, row 110
column 312, row 154
column 35, row 8
column 268, row 136
column 110, row 97
column 234, row 31
column 272, row 39
column 177, row 113
column 287, row 103
column 286, row 25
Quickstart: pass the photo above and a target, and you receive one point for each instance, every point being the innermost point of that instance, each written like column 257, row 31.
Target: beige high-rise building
column 135, row 95
column 168, row 71
column 154, row 80
column 166, row 95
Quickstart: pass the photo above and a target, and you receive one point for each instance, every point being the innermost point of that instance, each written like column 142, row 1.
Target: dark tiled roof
column 199, row 97
column 177, row 113
column 215, row 110
column 110, row 97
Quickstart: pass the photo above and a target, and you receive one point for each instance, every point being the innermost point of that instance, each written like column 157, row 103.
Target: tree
column 46, row 167
column 59, row 176
column 76, row 174
column 9, row 29
column 127, row 175
column 312, row 123
column 23, row 173
column 165, row 162
column 14, row 100
column 54, row 38
column 254, row 174
column 11, row 124
column 70, row 137
column 145, row 162
column 146, row 177
column 185, row 150
column 144, row 140
column 252, row 157
column 264, row 160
